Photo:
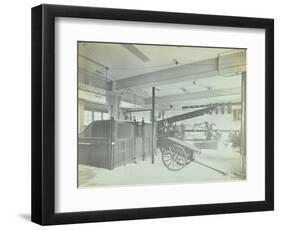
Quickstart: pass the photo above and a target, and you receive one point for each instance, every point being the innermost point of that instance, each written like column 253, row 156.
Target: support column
column 152, row 125
column 243, row 123
column 114, row 105
column 143, row 139
column 81, row 109
column 163, row 115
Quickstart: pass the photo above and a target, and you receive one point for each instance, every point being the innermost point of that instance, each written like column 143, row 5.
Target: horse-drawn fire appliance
column 177, row 153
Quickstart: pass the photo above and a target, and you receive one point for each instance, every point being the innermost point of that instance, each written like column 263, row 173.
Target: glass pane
column 97, row 116
column 106, row 116
column 87, row 117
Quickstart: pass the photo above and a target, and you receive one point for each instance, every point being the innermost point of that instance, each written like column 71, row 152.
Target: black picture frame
column 43, row 113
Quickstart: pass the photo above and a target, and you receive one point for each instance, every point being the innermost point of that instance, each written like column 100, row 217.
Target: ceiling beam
column 135, row 51
column 196, row 95
column 222, row 65
column 232, row 63
column 132, row 98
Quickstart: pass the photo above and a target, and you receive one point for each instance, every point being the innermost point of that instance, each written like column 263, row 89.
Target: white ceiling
column 122, row 63
column 116, row 62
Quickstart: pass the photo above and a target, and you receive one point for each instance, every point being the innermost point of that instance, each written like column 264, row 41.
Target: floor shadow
column 25, row 216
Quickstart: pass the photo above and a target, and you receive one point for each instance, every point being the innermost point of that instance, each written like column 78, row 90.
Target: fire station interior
column 152, row 114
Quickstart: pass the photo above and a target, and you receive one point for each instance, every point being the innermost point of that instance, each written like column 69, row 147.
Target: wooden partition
column 94, row 145
column 110, row 143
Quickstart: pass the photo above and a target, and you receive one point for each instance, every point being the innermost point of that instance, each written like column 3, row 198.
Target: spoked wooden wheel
column 174, row 157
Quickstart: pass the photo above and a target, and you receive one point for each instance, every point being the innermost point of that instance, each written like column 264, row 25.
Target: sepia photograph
column 152, row 114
